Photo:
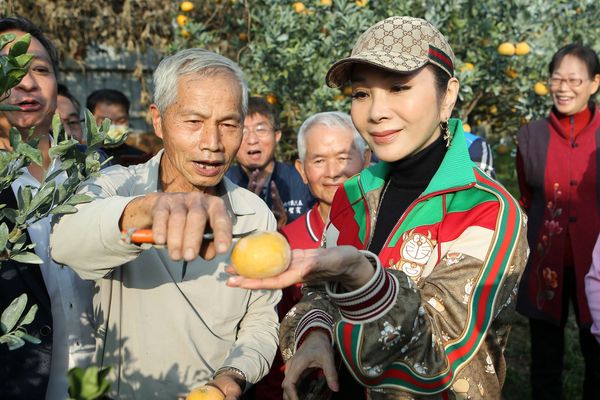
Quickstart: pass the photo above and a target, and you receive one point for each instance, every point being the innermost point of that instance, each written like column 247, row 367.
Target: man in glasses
column 69, row 110
column 277, row 183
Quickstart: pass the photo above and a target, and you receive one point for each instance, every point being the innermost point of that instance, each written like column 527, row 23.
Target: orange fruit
column 205, row 393
column 326, row 3
column 261, row 255
column 339, row 97
column 466, row 127
column 361, row 3
column 271, row 99
column 540, row 89
column 506, row 49
column 298, row 6
column 522, row 48
column 347, row 91
column 186, row 6
column 467, row 67
column 185, row 34
column 243, row 36
column 182, row 20
column 493, row 110
column 511, row 72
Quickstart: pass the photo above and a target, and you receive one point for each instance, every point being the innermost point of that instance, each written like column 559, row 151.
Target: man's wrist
column 234, row 373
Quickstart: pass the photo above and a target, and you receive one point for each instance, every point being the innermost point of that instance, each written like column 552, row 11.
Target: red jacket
column 558, row 178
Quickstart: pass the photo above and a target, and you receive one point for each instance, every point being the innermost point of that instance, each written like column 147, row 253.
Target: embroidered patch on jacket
column 389, row 335
column 415, row 252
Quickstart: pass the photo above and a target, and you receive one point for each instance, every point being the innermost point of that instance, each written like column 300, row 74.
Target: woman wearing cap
column 558, row 174
column 423, row 251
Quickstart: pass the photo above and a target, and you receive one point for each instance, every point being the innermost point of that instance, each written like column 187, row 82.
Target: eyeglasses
column 555, row 83
column 261, row 130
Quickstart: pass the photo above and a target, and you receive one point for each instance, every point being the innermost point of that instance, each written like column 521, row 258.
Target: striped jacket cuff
column 369, row 302
column 314, row 319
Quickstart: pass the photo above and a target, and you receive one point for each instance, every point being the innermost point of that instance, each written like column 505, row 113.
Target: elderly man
column 330, row 150
column 63, row 322
column 165, row 319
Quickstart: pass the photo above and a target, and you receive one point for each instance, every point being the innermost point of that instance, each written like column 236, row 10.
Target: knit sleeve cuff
column 370, row 301
column 311, row 321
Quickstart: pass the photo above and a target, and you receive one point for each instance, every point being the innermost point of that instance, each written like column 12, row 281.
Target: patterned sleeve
column 451, row 324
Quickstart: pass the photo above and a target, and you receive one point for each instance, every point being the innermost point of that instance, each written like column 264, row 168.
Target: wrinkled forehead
column 35, row 46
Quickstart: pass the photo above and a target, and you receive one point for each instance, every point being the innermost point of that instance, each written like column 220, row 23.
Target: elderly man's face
column 36, row 93
column 201, row 131
column 331, row 158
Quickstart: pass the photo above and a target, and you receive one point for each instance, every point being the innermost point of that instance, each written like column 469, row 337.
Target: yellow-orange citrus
column 298, row 6
column 185, row 34
column 511, row 72
column 243, row 36
column 182, row 20
column 347, row 91
column 522, row 48
column 205, row 393
column 493, row 110
column 506, row 49
column 271, row 99
column 261, row 255
column 466, row 127
column 467, row 67
column 325, row 2
column 540, row 89
column 186, row 6
column 339, row 97
column 361, row 3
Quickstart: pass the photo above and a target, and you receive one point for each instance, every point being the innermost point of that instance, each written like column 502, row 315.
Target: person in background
column 416, row 284
column 481, row 153
column 69, row 110
column 277, row 183
column 64, row 321
column 592, row 290
column 330, row 150
column 165, row 320
column 114, row 105
column 557, row 170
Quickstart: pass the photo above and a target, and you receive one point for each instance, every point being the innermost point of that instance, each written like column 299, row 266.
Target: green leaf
column 15, row 137
column 3, row 236
column 12, row 313
column 13, row 342
column 9, row 107
column 44, row 195
column 56, row 127
column 24, row 197
column 64, row 209
column 28, row 318
column 30, row 152
column 75, row 376
column 79, row 199
column 20, row 46
column 27, row 258
column 31, row 339
column 23, row 60
column 6, row 38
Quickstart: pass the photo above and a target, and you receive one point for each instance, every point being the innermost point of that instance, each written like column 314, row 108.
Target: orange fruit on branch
column 506, row 49
column 186, row 6
column 261, row 255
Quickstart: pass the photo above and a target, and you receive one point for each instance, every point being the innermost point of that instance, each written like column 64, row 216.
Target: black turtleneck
column 408, row 178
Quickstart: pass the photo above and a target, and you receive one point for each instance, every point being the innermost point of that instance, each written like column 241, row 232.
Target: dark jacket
column 24, row 372
column 294, row 193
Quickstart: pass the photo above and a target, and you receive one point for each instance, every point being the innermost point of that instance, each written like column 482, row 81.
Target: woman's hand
column 343, row 264
column 315, row 352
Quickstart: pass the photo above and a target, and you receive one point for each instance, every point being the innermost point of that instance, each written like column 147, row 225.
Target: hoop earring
column 446, row 132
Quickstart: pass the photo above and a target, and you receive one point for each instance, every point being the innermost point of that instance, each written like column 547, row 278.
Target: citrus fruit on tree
column 298, row 6
column 522, row 48
column 261, row 255
column 182, row 20
column 540, row 89
column 506, row 49
column 186, row 6
column 205, row 393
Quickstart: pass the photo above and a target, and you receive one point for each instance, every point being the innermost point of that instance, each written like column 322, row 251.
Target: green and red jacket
column 435, row 317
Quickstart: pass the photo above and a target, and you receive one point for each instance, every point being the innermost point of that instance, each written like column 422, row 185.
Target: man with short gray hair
column 165, row 319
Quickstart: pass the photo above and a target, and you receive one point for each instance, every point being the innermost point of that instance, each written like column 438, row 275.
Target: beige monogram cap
column 402, row 44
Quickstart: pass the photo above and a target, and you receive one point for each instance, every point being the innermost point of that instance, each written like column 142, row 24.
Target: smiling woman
column 558, row 172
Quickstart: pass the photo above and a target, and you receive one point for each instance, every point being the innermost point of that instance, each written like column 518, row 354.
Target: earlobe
column 300, row 168
column 156, row 121
column 449, row 99
column 277, row 136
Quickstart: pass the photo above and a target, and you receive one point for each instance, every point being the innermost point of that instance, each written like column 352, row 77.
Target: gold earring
column 446, row 132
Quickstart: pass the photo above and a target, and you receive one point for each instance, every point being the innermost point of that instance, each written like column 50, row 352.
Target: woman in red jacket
column 557, row 165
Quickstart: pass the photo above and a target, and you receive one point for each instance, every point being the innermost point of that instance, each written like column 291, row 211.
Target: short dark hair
column 258, row 105
column 441, row 81
column 25, row 25
column 584, row 53
column 106, row 96
column 63, row 90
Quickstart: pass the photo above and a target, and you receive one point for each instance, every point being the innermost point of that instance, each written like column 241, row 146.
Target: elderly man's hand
column 178, row 220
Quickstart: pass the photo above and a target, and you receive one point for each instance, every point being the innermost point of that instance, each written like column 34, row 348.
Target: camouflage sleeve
column 314, row 311
column 418, row 337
